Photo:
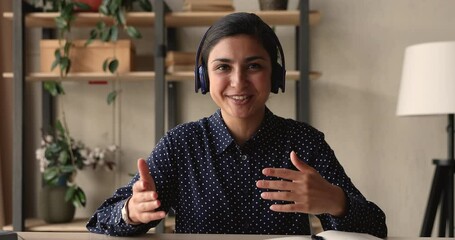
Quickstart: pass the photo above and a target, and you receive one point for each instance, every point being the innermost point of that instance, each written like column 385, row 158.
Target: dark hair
column 240, row 23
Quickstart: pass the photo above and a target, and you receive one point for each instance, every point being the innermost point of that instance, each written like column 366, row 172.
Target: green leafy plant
column 60, row 157
column 66, row 10
column 116, row 10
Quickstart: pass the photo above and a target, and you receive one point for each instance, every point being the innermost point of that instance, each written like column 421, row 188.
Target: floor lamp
column 428, row 88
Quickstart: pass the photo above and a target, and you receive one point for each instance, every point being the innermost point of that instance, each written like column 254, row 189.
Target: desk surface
column 91, row 236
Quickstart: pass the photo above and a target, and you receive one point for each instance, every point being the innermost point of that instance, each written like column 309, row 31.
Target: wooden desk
column 168, row 236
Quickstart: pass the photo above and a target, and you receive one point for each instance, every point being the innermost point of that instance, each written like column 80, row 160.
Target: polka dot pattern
column 210, row 182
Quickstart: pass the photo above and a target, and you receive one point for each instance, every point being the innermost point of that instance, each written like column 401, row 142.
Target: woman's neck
column 243, row 129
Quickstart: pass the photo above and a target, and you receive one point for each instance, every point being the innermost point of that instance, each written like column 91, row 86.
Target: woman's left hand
column 305, row 189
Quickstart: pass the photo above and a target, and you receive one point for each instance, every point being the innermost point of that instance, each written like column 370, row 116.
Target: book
column 180, row 58
column 208, row 5
column 332, row 235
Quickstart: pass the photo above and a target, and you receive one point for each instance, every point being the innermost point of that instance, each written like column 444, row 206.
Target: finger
column 149, row 206
column 144, row 174
column 141, row 195
column 281, row 173
column 276, row 185
column 147, row 217
column 285, row 208
column 281, row 196
column 299, row 164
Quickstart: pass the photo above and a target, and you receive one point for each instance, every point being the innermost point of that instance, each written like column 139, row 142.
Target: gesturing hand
column 305, row 189
column 144, row 202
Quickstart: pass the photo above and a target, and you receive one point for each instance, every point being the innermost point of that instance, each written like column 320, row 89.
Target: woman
column 243, row 169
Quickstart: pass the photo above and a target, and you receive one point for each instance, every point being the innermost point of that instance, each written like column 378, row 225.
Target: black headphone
column 278, row 71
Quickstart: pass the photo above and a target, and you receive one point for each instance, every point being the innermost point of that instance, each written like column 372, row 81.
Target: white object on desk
column 333, row 235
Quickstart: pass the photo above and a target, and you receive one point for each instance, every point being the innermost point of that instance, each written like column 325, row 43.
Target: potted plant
column 60, row 158
column 115, row 9
column 67, row 9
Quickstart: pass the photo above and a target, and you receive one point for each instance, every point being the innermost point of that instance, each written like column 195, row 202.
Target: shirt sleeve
column 362, row 216
column 107, row 219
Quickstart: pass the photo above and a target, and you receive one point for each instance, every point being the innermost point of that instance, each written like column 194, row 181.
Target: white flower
column 112, row 148
column 40, row 156
column 49, row 138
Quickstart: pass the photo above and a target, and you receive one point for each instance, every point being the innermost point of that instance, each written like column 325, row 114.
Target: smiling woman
column 242, row 170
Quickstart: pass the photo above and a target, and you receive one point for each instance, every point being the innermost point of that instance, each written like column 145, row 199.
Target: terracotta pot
column 94, row 4
column 267, row 5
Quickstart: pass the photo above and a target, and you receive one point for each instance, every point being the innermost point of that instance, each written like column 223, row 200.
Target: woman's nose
column 239, row 79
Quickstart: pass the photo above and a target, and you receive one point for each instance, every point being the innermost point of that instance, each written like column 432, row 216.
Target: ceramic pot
column 267, row 5
column 52, row 205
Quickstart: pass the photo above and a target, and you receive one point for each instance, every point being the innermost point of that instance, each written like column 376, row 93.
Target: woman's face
column 239, row 71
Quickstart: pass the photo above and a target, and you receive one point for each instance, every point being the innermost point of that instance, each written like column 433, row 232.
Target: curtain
column 5, row 117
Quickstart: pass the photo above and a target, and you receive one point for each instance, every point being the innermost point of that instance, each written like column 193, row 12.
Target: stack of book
column 180, row 61
column 208, row 5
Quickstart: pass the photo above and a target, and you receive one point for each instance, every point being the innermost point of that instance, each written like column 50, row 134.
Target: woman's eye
column 222, row 67
column 254, row 66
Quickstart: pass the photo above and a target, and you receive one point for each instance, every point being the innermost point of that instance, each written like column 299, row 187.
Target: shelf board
column 130, row 76
column 186, row 19
column 173, row 19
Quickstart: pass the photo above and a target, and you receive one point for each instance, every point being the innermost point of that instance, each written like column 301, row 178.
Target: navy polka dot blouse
column 209, row 181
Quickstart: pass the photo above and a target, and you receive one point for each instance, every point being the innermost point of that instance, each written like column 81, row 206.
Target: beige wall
column 358, row 46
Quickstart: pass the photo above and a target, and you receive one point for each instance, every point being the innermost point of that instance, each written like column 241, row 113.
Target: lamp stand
column 442, row 191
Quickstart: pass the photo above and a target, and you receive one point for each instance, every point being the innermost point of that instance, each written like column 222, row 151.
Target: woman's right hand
column 144, row 201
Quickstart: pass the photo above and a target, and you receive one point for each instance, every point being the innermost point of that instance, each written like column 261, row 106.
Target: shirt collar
column 222, row 138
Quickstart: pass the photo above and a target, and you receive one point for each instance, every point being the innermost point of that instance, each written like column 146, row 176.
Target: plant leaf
column 67, row 47
column 133, row 32
column 82, row 6
column 82, row 197
column 103, row 10
column 113, row 65
column 114, row 33
column 65, row 64
column 63, row 157
column 145, row 5
column 51, row 87
column 50, row 174
column 68, row 169
column 120, row 16
column 105, row 64
column 111, row 97
column 59, row 127
column 106, row 34
column 61, row 22
column 70, row 193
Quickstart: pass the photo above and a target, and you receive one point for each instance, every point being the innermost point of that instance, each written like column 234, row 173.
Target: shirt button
column 244, row 157
column 246, row 224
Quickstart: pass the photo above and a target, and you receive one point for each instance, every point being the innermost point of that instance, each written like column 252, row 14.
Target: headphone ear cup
column 277, row 78
column 203, row 80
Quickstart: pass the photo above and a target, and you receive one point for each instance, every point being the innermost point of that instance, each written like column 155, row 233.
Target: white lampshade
column 428, row 80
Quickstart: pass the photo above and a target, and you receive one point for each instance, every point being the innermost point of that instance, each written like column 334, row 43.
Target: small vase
column 53, row 207
column 267, row 5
